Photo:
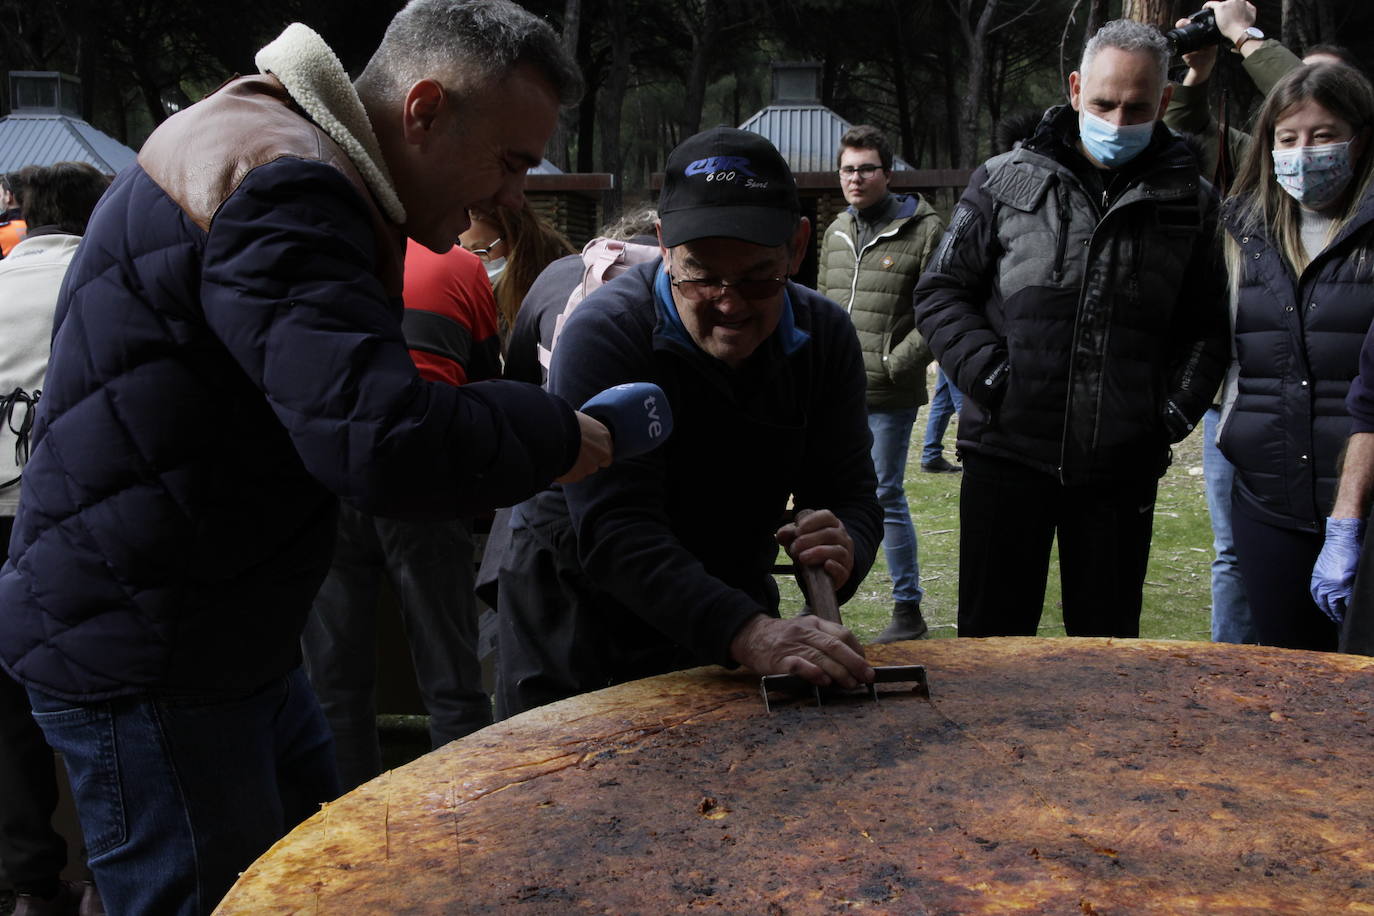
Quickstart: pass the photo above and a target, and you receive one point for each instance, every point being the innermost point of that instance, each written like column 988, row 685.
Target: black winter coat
column 1087, row 336
column 1298, row 341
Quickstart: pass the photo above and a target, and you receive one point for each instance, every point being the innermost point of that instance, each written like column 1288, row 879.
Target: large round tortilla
column 1043, row 776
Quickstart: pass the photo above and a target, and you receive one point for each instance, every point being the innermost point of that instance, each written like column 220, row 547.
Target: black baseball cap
column 728, row 183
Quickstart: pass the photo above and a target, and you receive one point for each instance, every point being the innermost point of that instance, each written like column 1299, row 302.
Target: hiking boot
column 907, row 623
column 65, row 902
column 940, row 466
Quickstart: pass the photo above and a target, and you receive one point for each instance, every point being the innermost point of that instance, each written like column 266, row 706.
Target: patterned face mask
column 1314, row 175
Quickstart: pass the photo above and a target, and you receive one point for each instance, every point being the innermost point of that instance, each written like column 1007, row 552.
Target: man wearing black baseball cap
column 665, row 562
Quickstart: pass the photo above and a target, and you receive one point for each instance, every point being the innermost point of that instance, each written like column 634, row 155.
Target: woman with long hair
column 516, row 245
column 1299, row 237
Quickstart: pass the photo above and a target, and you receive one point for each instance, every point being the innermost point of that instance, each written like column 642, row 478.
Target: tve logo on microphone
column 655, row 424
column 637, row 414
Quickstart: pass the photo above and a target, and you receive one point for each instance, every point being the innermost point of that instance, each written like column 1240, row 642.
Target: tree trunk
column 586, row 110
column 563, row 133
column 586, row 130
column 1294, row 28
column 1306, row 23
column 152, row 96
column 829, row 77
column 611, row 100
column 1097, row 17
column 701, row 25
column 975, row 36
column 897, row 54
column 1150, row 12
column 87, row 58
column 951, row 95
column 997, row 82
column 1326, row 24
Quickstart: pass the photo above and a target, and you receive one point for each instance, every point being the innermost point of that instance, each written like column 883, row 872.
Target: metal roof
column 808, row 136
column 43, row 139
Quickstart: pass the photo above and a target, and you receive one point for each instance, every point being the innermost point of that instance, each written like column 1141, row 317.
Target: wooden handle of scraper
column 820, row 591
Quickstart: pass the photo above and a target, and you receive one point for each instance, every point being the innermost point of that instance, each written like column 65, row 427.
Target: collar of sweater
column 881, row 213
column 316, row 80
column 903, row 206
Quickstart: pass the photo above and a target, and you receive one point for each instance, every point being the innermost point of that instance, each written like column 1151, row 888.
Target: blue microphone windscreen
column 637, row 414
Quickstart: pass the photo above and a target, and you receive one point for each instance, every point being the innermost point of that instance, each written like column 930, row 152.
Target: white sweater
column 30, row 277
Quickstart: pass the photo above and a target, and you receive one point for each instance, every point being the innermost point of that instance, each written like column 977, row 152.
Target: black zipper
column 1062, row 241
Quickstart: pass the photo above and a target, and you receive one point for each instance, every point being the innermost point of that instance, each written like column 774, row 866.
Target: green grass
column 1177, row 598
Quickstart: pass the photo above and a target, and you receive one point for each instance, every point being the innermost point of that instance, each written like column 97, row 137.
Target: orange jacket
column 11, row 234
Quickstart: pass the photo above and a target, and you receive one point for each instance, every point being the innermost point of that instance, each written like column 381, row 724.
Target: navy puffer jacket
column 228, row 361
column 1298, row 341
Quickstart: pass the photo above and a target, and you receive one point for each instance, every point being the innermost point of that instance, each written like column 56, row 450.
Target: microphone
column 636, row 413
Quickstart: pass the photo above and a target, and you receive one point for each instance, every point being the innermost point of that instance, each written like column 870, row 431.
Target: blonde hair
column 1348, row 95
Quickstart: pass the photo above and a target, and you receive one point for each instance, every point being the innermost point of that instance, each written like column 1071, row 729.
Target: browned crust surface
column 1044, row 776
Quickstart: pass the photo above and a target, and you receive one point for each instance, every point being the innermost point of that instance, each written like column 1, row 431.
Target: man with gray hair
column 1078, row 302
column 228, row 363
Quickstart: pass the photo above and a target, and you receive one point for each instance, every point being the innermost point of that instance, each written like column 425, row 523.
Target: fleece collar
column 316, row 80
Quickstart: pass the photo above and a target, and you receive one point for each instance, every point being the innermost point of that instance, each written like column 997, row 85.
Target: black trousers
column 31, row 852
column 1009, row 515
column 1276, row 564
column 1357, row 633
column 558, row 635
column 430, row 566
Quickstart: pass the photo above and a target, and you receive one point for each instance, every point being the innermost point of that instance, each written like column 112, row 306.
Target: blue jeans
column 891, row 442
column 1230, row 611
column 178, row 794
column 946, row 402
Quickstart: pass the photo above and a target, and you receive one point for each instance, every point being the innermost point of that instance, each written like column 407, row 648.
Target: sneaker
column 940, row 466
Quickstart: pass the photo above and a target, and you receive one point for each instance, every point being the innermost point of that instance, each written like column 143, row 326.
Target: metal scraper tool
column 821, row 596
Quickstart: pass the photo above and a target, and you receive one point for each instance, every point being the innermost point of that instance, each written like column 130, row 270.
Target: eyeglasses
column 863, row 171
column 708, row 288
column 485, row 253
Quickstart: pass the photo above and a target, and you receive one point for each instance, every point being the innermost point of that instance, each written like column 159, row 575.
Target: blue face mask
column 1110, row 144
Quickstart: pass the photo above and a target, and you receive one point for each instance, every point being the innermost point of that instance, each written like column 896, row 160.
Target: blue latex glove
column 1333, row 576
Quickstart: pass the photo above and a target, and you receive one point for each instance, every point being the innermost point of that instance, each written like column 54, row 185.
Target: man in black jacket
column 665, row 562
column 1078, row 302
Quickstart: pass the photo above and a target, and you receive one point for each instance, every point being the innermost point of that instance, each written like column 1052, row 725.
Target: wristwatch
column 1248, row 34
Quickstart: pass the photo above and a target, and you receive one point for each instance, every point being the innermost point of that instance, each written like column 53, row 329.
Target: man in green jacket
column 871, row 257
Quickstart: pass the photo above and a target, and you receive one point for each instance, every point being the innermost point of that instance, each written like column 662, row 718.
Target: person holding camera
column 1266, row 61
column 1299, row 232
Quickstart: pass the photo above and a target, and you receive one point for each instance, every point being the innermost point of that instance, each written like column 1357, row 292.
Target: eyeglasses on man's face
column 705, row 289
column 866, row 171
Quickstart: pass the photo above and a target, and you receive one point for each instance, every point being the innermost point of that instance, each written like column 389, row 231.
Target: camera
column 1200, row 32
